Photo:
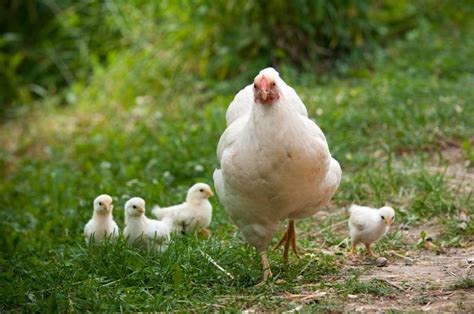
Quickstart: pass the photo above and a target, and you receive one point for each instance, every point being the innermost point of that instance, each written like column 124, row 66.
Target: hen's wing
column 219, row 184
column 293, row 98
column 230, row 135
column 240, row 106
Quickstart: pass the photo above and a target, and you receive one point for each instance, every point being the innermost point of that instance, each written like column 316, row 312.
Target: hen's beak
column 388, row 221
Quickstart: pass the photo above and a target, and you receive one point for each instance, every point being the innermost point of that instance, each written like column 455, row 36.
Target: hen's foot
column 267, row 272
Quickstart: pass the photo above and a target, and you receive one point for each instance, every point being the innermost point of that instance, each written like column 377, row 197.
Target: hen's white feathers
column 275, row 163
column 367, row 225
column 102, row 224
column 194, row 213
column 139, row 229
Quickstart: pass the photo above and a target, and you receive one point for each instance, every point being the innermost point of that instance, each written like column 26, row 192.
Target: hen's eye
column 273, row 84
column 100, row 203
column 393, row 218
column 134, row 206
column 254, row 85
column 201, row 190
column 383, row 217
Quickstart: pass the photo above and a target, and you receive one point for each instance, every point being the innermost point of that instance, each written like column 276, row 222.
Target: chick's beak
column 141, row 210
column 209, row 193
column 388, row 221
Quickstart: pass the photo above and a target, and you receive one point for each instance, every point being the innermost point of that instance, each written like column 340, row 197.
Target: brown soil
column 423, row 282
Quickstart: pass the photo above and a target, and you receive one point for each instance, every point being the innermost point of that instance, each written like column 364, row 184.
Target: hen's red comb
column 263, row 83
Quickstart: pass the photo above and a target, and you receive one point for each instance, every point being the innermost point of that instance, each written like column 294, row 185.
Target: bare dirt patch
column 424, row 281
column 429, row 301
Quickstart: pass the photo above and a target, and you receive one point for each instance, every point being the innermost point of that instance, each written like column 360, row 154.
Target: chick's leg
column 289, row 240
column 369, row 250
column 205, row 232
column 354, row 249
column 267, row 272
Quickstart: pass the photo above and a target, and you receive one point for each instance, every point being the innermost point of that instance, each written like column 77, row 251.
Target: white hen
column 102, row 224
column 154, row 233
column 194, row 214
column 367, row 225
column 275, row 163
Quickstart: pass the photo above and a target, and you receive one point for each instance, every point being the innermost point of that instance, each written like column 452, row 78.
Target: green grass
column 385, row 122
column 464, row 283
column 374, row 286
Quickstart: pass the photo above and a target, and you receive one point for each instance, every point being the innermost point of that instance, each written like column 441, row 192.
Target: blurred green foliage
column 237, row 36
column 46, row 45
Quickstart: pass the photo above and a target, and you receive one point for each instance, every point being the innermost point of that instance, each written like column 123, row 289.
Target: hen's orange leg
column 267, row 272
column 281, row 241
column 289, row 240
column 293, row 238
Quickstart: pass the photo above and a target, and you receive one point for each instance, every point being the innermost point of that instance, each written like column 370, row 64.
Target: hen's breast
column 278, row 173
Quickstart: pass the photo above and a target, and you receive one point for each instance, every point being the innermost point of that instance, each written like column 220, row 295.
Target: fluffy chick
column 194, row 214
column 139, row 229
column 102, row 224
column 367, row 225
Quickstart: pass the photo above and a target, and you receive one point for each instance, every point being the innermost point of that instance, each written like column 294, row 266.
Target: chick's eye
column 383, row 217
column 134, row 206
column 100, row 203
column 201, row 190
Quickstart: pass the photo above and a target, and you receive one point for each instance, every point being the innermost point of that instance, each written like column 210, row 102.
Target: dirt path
column 425, row 281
